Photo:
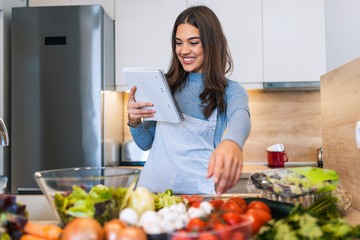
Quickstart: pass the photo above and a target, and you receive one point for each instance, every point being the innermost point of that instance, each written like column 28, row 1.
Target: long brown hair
column 217, row 59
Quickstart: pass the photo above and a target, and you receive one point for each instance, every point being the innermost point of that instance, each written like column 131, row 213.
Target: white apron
column 179, row 157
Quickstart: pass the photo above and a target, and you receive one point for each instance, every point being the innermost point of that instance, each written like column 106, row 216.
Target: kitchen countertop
column 39, row 209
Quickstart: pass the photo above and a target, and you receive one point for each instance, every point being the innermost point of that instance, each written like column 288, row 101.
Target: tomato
column 181, row 235
column 264, row 215
column 196, row 224
column 223, row 231
column 83, row 228
column 259, row 205
column 196, row 204
column 113, row 228
column 240, row 201
column 232, row 218
column 238, row 236
column 191, row 199
column 231, row 206
column 207, row 236
column 257, row 221
column 216, row 203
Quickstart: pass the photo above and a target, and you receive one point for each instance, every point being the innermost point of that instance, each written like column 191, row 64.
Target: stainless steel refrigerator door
column 57, row 78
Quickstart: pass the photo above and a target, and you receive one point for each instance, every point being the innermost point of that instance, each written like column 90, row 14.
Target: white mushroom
column 149, row 217
column 152, row 228
column 129, row 216
column 207, row 207
column 196, row 212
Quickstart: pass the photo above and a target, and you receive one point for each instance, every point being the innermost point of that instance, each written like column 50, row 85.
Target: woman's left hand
column 225, row 165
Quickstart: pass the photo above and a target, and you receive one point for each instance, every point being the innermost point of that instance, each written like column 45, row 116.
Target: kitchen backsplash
column 291, row 118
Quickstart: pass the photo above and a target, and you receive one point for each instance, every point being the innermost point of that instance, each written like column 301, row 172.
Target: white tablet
column 151, row 86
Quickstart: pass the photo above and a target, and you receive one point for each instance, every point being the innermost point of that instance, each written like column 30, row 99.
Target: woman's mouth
column 188, row 60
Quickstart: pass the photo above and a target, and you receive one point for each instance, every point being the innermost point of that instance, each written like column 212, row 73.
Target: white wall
column 342, row 30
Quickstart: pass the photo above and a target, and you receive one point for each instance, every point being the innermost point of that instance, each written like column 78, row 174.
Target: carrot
column 49, row 231
column 30, row 237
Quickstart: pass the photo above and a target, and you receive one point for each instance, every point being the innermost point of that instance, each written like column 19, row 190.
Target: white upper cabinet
column 143, row 34
column 108, row 5
column 294, row 40
column 241, row 22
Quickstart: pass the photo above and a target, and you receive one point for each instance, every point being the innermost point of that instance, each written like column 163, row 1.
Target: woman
column 193, row 156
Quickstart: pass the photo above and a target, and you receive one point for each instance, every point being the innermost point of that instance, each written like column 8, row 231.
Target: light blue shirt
column 236, row 118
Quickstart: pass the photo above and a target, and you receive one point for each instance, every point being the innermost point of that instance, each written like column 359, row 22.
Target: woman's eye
column 194, row 43
column 178, row 43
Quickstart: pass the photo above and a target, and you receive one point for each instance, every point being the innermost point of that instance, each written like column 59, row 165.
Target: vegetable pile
column 320, row 221
column 13, row 217
column 233, row 219
column 295, row 182
column 101, row 203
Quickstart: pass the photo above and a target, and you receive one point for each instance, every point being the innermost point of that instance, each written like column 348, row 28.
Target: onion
column 83, row 229
column 132, row 233
column 113, row 229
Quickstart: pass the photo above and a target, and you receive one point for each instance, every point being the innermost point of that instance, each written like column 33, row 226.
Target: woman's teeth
column 189, row 59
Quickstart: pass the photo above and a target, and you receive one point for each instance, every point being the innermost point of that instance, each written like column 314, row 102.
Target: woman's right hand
column 134, row 109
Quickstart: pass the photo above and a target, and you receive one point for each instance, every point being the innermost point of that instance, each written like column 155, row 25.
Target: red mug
column 277, row 159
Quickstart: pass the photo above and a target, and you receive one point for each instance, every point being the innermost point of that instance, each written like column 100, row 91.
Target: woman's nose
column 185, row 49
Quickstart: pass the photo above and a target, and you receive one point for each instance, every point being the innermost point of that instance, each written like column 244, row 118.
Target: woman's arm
column 226, row 161
column 142, row 133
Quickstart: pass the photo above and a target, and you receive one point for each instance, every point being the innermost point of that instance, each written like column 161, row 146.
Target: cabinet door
column 241, row 22
column 143, row 34
column 294, row 40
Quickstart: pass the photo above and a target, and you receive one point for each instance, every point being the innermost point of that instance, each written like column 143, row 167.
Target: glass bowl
column 238, row 231
column 96, row 192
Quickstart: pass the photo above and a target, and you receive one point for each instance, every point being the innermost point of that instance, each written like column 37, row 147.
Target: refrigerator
column 62, row 63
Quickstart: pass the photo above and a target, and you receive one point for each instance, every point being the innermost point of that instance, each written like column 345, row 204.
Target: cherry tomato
column 223, row 231
column 240, row 201
column 216, row 203
column 196, row 224
column 181, row 235
column 232, row 206
column 191, row 199
column 257, row 221
column 232, row 218
column 207, row 236
column 238, row 236
column 196, row 204
column 259, row 205
column 264, row 215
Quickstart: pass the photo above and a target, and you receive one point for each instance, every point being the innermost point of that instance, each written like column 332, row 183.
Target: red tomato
column 223, row 231
column 240, row 201
column 259, row 205
column 191, row 199
column 257, row 221
column 216, row 203
column 196, row 224
column 196, row 204
column 181, row 235
column 207, row 236
column 232, row 218
column 238, row 236
column 264, row 215
column 232, row 206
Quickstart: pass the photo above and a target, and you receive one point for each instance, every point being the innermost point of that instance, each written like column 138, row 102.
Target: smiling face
column 189, row 48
